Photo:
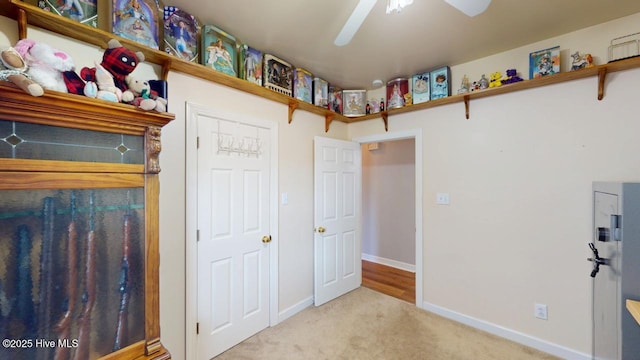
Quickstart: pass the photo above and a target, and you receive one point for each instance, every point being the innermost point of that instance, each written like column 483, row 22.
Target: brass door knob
column 266, row 239
column 320, row 229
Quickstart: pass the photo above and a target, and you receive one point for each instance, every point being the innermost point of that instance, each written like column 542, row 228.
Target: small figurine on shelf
column 381, row 104
column 483, row 83
column 496, row 79
column 578, row 62
column 589, row 60
column 512, row 77
column 373, row 106
column 464, row 85
column 408, row 99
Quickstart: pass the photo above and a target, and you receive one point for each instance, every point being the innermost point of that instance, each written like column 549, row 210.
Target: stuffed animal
column 143, row 97
column 118, row 61
column 512, row 77
column 14, row 69
column 496, row 79
column 104, row 88
column 45, row 65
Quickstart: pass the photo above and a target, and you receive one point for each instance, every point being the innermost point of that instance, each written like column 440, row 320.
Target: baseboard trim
column 296, row 308
column 388, row 262
column 521, row 338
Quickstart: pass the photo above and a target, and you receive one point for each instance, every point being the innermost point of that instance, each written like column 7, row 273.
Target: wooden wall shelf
column 27, row 14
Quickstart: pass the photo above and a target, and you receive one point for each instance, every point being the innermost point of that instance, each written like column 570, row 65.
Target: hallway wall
column 388, row 203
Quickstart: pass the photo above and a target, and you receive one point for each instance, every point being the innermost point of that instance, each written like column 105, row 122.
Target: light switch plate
column 442, row 198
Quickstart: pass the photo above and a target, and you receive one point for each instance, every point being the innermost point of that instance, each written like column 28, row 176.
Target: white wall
column 519, row 173
column 388, row 203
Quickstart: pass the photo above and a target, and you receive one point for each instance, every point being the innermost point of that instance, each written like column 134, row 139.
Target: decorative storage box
column 440, row 82
column 137, row 20
column 335, row 99
column 544, row 62
column 85, row 12
column 396, row 91
column 355, row 102
column 320, row 92
column 181, row 34
column 219, row 50
column 251, row 64
column 277, row 75
column 421, row 88
column 303, row 85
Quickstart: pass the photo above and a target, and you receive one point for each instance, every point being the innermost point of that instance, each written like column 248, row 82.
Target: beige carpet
column 365, row 324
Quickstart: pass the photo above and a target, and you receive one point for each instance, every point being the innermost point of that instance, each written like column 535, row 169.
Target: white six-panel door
column 234, row 229
column 337, row 218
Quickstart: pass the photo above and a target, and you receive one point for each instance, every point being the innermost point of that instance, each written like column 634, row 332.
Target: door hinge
column 198, row 142
column 197, row 235
column 197, row 328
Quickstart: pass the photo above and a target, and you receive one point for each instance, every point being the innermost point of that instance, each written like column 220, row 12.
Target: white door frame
column 415, row 134
column 191, row 221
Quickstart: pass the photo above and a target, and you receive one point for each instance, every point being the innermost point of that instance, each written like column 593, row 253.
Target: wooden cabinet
column 78, row 228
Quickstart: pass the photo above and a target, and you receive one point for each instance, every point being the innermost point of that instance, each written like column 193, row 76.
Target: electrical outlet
column 540, row 311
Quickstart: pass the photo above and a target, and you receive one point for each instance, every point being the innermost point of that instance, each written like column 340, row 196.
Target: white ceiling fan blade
column 470, row 7
column 355, row 20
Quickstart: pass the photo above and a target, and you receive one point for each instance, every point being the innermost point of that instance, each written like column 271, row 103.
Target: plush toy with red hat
column 116, row 60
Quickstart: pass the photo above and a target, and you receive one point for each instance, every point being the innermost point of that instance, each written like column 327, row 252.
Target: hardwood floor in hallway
column 388, row 280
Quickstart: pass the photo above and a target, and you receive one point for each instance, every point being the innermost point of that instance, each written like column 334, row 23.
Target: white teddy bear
column 140, row 95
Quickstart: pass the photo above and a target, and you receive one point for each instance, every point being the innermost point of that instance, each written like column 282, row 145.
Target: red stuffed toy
column 117, row 60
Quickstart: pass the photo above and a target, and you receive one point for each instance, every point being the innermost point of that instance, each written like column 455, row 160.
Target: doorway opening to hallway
column 390, row 204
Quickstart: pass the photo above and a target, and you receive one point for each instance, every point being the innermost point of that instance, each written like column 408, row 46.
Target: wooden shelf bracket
column 466, row 106
column 385, row 119
column 22, row 24
column 292, row 107
column 166, row 67
column 328, row 118
column 602, row 74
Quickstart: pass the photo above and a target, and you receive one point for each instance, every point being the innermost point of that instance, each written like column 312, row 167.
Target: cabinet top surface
column 55, row 108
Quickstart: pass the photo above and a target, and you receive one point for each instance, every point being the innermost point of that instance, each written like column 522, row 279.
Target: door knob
column 266, row 239
column 320, row 229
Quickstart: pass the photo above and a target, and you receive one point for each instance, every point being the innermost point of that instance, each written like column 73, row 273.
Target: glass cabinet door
column 71, row 272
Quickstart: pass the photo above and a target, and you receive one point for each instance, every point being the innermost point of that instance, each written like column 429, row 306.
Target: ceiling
column 425, row 35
